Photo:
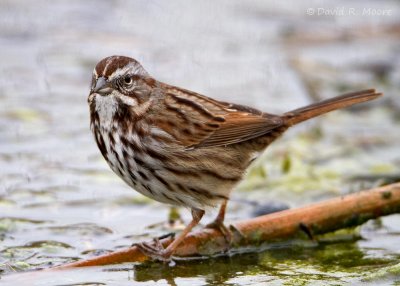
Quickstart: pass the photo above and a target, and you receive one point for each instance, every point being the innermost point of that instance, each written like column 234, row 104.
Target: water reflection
column 325, row 262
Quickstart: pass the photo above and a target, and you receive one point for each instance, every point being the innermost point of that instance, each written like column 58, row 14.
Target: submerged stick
column 319, row 218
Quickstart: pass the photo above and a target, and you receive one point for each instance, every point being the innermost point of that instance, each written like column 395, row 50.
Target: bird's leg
column 221, row 214
column 218, row 223
column 157, row 252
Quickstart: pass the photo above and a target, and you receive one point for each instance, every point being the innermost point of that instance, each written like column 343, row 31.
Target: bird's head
column 119, row 82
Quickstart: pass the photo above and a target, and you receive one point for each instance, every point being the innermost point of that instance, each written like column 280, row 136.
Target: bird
column 180, row 147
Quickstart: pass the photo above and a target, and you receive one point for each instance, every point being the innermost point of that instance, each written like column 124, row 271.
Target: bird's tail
column 338, row 102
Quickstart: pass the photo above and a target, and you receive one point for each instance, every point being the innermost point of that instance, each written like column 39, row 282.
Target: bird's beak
column 102, row 87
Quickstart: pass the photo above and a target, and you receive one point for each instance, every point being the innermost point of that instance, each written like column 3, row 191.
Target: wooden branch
column 318, row 218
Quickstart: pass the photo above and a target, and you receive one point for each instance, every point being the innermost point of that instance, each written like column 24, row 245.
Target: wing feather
column 199, row 121
column 240, row 127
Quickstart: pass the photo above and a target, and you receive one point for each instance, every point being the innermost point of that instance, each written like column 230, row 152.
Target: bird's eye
column 128, row 80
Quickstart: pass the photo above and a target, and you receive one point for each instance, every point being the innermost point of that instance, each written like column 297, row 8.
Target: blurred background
column 60, row 202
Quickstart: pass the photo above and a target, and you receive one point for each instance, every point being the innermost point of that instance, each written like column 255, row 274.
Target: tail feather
column 341, row 101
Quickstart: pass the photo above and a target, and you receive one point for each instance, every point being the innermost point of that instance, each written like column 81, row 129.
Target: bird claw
column 226, row 232
column 154, row 250
column 230, row 233
column 236, row 233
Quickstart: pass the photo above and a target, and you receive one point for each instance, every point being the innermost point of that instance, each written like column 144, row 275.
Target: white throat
column 106, row 107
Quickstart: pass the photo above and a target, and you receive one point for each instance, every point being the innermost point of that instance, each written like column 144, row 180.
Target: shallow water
column 59, row 201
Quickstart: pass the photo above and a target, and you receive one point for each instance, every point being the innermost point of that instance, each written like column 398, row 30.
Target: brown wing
column 239, row 127
column 199, row 121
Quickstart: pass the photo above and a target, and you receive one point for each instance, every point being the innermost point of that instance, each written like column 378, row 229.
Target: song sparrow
column 179, row 147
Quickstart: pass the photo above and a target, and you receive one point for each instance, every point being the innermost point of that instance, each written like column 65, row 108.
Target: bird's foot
column 236, row 233
column 230, row 233
column 226, row 232
column 155, row 250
